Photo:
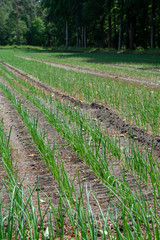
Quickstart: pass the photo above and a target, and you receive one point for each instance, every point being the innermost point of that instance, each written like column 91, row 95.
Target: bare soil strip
column 101, row 112
column 95, row 72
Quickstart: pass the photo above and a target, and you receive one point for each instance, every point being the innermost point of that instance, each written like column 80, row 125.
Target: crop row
column 133, row 66
column 98, row 142
column 137, row 104
column 20, row 219
column 132, row 205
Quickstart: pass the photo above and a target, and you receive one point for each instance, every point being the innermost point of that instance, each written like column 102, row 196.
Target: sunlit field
column 99, row 110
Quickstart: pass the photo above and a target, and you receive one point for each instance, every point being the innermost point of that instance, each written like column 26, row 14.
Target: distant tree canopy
column 81, row 23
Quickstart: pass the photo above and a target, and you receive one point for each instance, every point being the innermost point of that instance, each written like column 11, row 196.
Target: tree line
column 83, row 23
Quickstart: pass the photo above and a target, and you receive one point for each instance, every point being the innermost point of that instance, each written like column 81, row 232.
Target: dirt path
column 96, row 72
column 101, row 112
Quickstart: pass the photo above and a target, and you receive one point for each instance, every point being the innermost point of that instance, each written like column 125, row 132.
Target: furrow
column 100, row 112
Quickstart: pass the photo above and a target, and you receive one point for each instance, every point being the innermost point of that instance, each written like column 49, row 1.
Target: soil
column 29, row 161
column 99, row 73
column 102, row 113
column 30, row 165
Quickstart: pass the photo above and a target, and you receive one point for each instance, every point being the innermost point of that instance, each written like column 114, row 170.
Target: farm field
column 79, row 145
column 125, row 66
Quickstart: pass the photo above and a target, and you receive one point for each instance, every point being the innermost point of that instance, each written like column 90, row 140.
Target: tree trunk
column 82, row 36
column 120, row 36
column 85, row 37
column 17, row 22
column 121, row 7
column 67, row 34
column 110, row 31
column 145, row 26
column 102, row 31
column 77, row 38
column 153, row 26
column 115, row 31
column 132, row 35
column 158, row 26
